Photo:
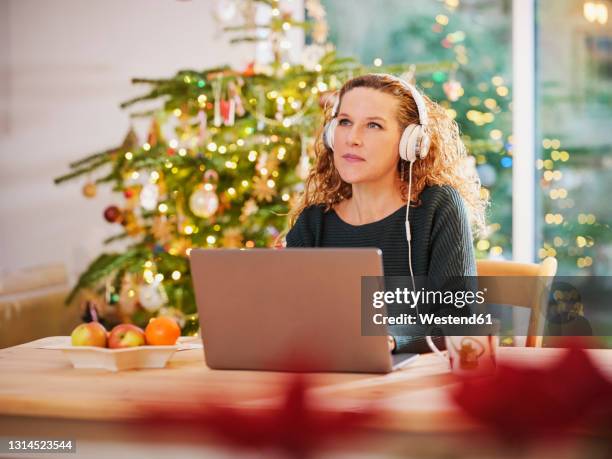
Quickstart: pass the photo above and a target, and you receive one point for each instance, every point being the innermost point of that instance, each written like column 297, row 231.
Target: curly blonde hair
column 447, row 163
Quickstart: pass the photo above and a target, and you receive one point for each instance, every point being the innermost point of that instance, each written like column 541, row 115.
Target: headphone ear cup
column 328, row 133
column 425, row 143
column 406, row 146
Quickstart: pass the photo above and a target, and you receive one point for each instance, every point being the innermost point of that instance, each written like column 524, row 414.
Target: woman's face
column 366, row 139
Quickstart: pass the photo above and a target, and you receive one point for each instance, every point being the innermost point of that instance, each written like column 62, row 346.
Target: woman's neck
column 371, row 202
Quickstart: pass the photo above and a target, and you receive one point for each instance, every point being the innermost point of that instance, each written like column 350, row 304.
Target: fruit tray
column 121, row 359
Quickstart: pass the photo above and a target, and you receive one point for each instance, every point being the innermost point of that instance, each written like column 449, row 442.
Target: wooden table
column 42, row 395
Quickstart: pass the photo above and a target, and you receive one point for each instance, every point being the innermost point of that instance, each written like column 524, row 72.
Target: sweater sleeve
column 451, row 260
column 452, row 250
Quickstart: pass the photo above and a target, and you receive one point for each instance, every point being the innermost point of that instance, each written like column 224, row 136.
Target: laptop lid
column 265, row 309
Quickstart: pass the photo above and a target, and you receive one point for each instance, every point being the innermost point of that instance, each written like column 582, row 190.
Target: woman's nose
column 354, row 136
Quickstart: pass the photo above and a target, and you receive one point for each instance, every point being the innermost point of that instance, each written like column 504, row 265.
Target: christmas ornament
column 128, row 193
column 311, row 56
column 452, row 89
column 112, row 214
column 152, row 296
column 232, row 238
column 235, row 96
column 161, row 229
column 204, row 201
column 225, row 10
column 89, row 190
column 228, row 111
column 250, row 207
column 128, row 217
column 149, row 195
column 131, row 223
column 217, row 102
column 250, row 70
column 263, row 189
column 203, row 126
column 154, row 135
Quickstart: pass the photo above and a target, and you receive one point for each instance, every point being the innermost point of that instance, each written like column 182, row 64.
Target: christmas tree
column 224, row 160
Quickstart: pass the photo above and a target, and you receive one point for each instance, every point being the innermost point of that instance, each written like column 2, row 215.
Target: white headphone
column 414, row 143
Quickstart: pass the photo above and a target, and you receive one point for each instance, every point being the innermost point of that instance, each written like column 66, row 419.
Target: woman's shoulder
column 311, row 214
column 306, row 227
column 440, row 193
column 444, row 199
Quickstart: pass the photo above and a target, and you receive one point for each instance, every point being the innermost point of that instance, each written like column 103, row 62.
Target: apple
column 89, row 334
column 126, row 335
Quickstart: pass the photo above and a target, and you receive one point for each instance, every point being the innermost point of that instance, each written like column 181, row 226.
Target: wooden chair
column 533, row 295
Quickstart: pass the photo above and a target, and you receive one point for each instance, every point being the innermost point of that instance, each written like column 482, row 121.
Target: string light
column 442, row 19
column 147, row 275
column 595, row 12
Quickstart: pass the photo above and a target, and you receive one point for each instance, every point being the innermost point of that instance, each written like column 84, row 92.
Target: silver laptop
column 290, row 309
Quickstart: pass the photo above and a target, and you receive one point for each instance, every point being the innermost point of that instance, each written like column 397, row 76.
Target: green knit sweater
column 441, row 244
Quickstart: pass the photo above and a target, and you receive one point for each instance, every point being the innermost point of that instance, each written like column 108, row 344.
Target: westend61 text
column 432, row 319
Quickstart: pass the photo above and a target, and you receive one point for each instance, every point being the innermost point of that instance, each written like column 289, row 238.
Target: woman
column 356, row 194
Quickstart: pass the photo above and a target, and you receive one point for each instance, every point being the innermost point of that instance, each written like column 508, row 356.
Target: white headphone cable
column 408, row 234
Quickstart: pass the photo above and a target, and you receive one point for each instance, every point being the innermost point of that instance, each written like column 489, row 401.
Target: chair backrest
column 530, row 293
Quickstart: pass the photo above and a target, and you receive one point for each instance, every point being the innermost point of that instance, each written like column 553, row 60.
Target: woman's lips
column 352, row 158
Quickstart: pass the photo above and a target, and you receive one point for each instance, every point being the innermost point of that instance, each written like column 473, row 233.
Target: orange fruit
column 162, row 331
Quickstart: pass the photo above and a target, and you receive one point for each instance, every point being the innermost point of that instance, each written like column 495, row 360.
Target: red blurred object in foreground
column 293, row 426
column 528, row 404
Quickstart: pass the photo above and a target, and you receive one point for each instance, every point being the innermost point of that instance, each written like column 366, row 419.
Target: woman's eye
column 343, row 120
column 374, row 124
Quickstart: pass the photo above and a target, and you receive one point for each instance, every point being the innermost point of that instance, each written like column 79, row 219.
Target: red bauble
column 112, row 214
column 225, row 108
column 250, row 70
column 128, row 193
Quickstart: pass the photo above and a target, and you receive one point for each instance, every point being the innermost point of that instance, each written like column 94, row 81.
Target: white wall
column 65, row 67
